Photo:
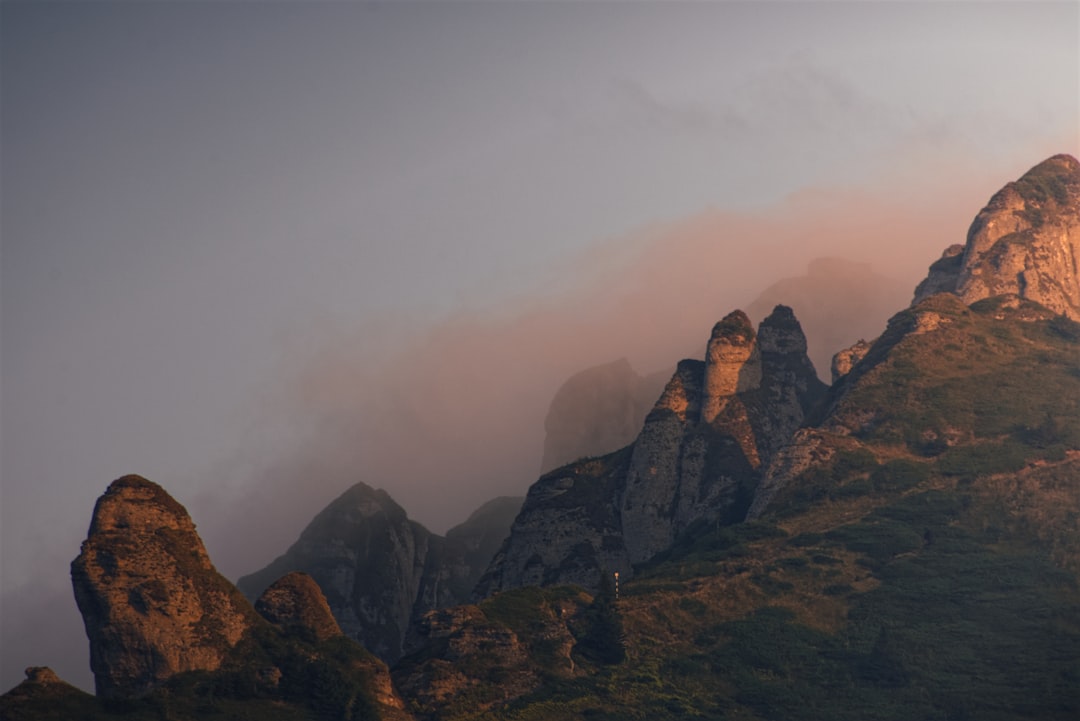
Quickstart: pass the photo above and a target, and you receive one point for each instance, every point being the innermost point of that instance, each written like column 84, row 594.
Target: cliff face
column 568, row 530
column 380, row 571
column 700, row 453
column 152, row 603
column 1025, row 242
column 698, row 457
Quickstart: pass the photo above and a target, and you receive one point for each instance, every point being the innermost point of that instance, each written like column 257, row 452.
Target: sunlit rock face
column 1025, row 242
column 845, row 360
column 152, row 602
column 732, row 363
column 698, row 457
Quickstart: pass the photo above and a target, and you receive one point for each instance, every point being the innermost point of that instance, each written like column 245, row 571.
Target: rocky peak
column 781, row 334
column 369, row 560
column 378, row 571
column 1025, row 242
column 152, row 602
column 295, row 601
column 732, row 363
column 845, row 360
column 697, row 458
column 790, row 386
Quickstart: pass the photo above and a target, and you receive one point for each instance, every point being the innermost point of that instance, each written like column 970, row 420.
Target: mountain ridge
column 901, row 544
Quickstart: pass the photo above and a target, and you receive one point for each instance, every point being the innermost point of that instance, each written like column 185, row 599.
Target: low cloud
column 448, row 416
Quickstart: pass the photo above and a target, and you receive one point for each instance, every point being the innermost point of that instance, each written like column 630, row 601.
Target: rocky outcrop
column 42, row 694
column 597, row 411
column 697, row 458
column 469, row 659
column 688, row 466
column 152, row 602
column 463, row 639
column 944, row 274
column 1025, row 242
column 568, row 530
column 845, row 360
column 806, row 449
column 296, row 604
column 732, row 364
column 380, row 571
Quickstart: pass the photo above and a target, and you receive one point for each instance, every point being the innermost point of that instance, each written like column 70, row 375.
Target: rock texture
column 471, row 658
column 369, row 560
column 152, row 602
column 295, row 603
column 380, row 571
column 732, row 364
column 845, row 360
column 465, row 638
column 1025, row 242
column 597, row 411
column 568, row 529
column 697, row 458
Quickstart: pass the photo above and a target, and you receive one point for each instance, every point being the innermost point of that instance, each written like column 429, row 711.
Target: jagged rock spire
column 732, row 363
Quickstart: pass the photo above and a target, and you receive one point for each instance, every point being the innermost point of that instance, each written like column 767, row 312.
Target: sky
column 260, row 251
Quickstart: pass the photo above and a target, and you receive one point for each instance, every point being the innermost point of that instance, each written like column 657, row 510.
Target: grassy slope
column 928, row 571
column 326, row 680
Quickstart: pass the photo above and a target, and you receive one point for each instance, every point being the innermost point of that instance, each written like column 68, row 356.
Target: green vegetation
column 927, row 570
column 268, row 676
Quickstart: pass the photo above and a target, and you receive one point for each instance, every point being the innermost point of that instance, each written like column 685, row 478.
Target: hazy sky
column 259, row 251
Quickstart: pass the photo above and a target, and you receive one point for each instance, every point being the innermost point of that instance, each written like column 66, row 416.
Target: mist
column 259, row 252
column 448, row 416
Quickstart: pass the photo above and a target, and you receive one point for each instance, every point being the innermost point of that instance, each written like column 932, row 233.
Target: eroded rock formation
column 698, row 457
column 1025, row 242
column 152, row 602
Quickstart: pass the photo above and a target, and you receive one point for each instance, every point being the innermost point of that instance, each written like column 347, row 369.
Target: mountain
column 901, row 544
column 381, row 571
column 153, row 604
column 172, row 638
column 910, row 551
column 696, row 460
column 1025, row 242
column 601, row 409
